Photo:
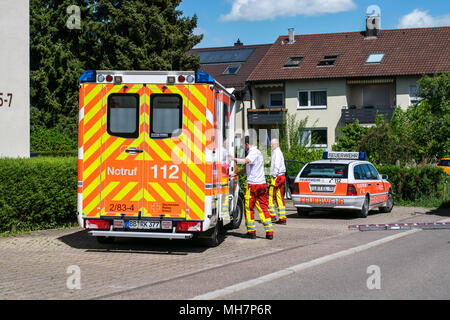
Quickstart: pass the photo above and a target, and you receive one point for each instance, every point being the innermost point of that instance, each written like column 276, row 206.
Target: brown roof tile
column 407, row 52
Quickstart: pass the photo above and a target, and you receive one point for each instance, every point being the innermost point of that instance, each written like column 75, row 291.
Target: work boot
column 269, row 236
column 282, row 222
column 251, row 235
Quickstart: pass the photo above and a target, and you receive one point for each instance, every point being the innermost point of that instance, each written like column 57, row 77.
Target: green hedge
column 38, row 193
column 416, row 183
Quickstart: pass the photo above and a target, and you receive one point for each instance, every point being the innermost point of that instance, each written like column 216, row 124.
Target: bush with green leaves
column 52, row 140
column 419, row 183
column 37, row 193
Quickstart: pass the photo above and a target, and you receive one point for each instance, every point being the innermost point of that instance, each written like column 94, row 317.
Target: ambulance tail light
column 351, row 190
column 181, row 79
column 189, row 226
column 97, row 224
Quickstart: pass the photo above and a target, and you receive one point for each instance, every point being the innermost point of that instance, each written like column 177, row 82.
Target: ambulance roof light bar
column 203, row 77
column 344, row 156
column 89, row 76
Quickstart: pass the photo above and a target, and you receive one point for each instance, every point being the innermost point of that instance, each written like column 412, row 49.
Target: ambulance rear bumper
column 146, row 235
column 328, row 202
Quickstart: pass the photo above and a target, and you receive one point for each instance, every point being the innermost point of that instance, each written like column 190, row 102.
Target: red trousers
column 256, row 195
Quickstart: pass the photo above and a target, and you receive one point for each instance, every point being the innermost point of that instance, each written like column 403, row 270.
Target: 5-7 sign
column 6, row 99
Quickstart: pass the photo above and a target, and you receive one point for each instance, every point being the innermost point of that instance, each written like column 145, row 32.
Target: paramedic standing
column 256, row 192
column 277, row 183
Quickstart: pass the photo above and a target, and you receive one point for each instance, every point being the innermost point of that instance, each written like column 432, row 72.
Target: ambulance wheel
column 105, row 240
column 213, row 238
column 389, row 204
column 237, row 216
column 364, row 213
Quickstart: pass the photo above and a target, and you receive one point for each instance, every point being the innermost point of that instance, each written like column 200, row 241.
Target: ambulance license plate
column 143, row 225
column 322, row 188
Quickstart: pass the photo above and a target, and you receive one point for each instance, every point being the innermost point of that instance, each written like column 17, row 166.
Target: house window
column 313, row 99
column 375, row 58
column 230, row 70
column 413, row 95
column 327, row 61
column 293, row 62
column 315, row 138
column 276, row 100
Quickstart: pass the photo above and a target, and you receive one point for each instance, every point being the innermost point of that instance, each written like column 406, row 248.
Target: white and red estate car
column 342, row 181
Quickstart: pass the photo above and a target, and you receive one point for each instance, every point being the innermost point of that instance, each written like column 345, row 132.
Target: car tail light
column 351, row 190
column 97, row 224
column 189, row 226
column 296, row 189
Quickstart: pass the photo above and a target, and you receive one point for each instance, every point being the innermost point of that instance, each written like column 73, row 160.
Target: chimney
column 373, row 25
column 238, row 43
column 291, row 35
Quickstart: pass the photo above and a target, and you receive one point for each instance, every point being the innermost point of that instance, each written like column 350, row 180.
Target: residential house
column 337, row 78
column 231, row 66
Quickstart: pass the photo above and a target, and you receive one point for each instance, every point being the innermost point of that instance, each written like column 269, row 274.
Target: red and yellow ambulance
column 154, row 156
column 342, row 181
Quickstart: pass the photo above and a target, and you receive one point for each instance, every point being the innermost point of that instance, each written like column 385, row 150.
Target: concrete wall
column 14, row 79
column 403, row 85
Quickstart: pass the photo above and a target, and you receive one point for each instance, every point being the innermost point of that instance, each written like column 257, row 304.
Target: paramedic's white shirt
column 255, row 168
column 277, row 167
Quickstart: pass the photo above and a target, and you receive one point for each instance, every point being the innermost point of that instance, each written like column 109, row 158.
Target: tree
column 114, row 34
column 350, row 139
column 430, row 118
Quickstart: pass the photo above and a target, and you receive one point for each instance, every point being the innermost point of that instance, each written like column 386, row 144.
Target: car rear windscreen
column 325, row 170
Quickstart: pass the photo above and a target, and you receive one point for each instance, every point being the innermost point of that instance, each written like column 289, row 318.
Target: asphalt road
column 41, row 264
column 413, row 267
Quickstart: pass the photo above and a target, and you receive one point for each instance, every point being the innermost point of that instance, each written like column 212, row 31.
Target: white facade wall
column 14, row 79
column 403, row 90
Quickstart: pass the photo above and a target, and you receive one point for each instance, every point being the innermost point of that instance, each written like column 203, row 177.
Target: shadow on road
column 82, row 240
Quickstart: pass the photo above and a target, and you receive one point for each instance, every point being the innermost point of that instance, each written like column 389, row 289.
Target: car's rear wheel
column 303, row 212
column 389, row 204
column 364, row 212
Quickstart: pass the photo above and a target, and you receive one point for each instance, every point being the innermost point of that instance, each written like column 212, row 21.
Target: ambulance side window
column 123, row 115
column 166, row 115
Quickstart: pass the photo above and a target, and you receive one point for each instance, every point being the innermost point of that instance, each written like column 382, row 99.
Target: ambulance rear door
column 122, row 151
column 167, row 146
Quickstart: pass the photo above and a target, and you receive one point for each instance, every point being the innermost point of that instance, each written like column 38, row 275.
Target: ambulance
column 342, row 181
column 154, row 156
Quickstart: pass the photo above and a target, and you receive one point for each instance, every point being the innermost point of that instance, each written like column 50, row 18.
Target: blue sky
column 261, row 21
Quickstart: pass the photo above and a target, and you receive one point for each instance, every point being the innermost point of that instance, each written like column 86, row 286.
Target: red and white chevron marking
column 400, row 226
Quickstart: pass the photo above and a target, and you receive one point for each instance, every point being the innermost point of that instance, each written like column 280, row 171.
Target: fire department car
column 342, row 181
column 154, row 156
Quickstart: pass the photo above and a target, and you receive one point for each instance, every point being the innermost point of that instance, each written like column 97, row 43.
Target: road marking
column 300, row 267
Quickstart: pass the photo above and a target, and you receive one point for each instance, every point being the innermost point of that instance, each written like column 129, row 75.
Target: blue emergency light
column 203, row 77
column 89, row 76
column 345, row 156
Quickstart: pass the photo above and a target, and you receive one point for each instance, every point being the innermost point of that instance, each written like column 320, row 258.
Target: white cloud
column 253, row 10
column 421, row 19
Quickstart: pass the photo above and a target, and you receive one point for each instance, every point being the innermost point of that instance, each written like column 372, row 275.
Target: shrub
column 43, row 139
column 415, row 183
column 37, row 193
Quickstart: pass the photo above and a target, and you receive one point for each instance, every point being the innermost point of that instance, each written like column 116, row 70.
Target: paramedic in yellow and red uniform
column 256, row 192
column 277, row 183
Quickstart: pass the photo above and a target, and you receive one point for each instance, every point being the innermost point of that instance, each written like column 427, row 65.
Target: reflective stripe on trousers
column 276, row 194
column 255, row 195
